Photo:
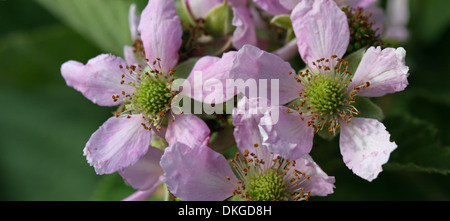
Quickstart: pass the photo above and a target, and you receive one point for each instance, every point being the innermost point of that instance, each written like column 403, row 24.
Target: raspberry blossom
column 327, row 90
column 245, row 32
column 143, row 88
column 256, row 174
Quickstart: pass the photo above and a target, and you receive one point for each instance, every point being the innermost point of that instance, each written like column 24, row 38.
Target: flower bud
column 218, row 22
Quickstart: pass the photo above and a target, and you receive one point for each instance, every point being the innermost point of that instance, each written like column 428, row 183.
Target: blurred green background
column 45, row 124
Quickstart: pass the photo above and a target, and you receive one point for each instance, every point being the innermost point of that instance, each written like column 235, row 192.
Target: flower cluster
column 236, row 47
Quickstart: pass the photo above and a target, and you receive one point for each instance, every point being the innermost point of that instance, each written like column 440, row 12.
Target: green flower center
column 267, row 187
column 325, row 95
column 267, row 178
column 151, row 97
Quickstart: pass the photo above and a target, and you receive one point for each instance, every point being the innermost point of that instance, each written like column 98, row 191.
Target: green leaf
column 282, row 21
column 111, row 187
column 44, row 132
column 418, row 148
column 104, row 22
column 32, row 58
column 430, row 19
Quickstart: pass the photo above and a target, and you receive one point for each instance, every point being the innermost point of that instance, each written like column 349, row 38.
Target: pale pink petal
column 321, row 29
column 208, row 79
column 378, row 17
column 264, row 70
column 146, row 172
column 98, row 80
column 365, row 146
column 365, row 3
column 161, row 33
column 385, row 70
column 188, row 129
column 130, row 57
column 133, row 20
column 197, row 173
column 289, row 4
column 245, row 32
column 237, row 3
column 274, row 7
column 245, row 118
column 288, row 51
column 200, row 8
column 286, row 134
column 119, row 143
column 319, row 183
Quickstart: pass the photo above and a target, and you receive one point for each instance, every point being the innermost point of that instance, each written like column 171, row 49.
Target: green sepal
column 354, row 59
column 218, row 21
column 368, row 109
column 159, row 143
column 185, row 16
column 325, row 134
column 282, row 21
column 184, row 69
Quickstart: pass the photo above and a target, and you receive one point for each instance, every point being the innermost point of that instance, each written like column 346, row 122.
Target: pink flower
column 327, row 90
column 144, row 89
column 245, row 32
column 278, row 7
column 258, row 174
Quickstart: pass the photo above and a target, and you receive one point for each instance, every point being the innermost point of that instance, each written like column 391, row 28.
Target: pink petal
column 161, row 33
column 246, row 119
column 321, row 29
column 245, row 32
column 208, row 79
column 119, row 143
column 146, row 172
column 385, row 70
column 133, row 20
column 188, row 129
column 320, row 184
column 130, row 57
column 290, row 136
column 197, row 173
column 289, row 4
column 98, row 80
column 365, row 146
column 288, row 51
column 274, row 7
column 237, row 3
column 200, row 8
column 378, row 17
column 253, row 64
column 365, row 3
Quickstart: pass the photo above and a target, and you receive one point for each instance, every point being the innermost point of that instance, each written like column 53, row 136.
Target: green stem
column 166, row 193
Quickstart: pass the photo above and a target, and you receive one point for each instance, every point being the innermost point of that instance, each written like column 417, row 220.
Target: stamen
column 326, row 95
column 152, row 96
column 277, row 181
